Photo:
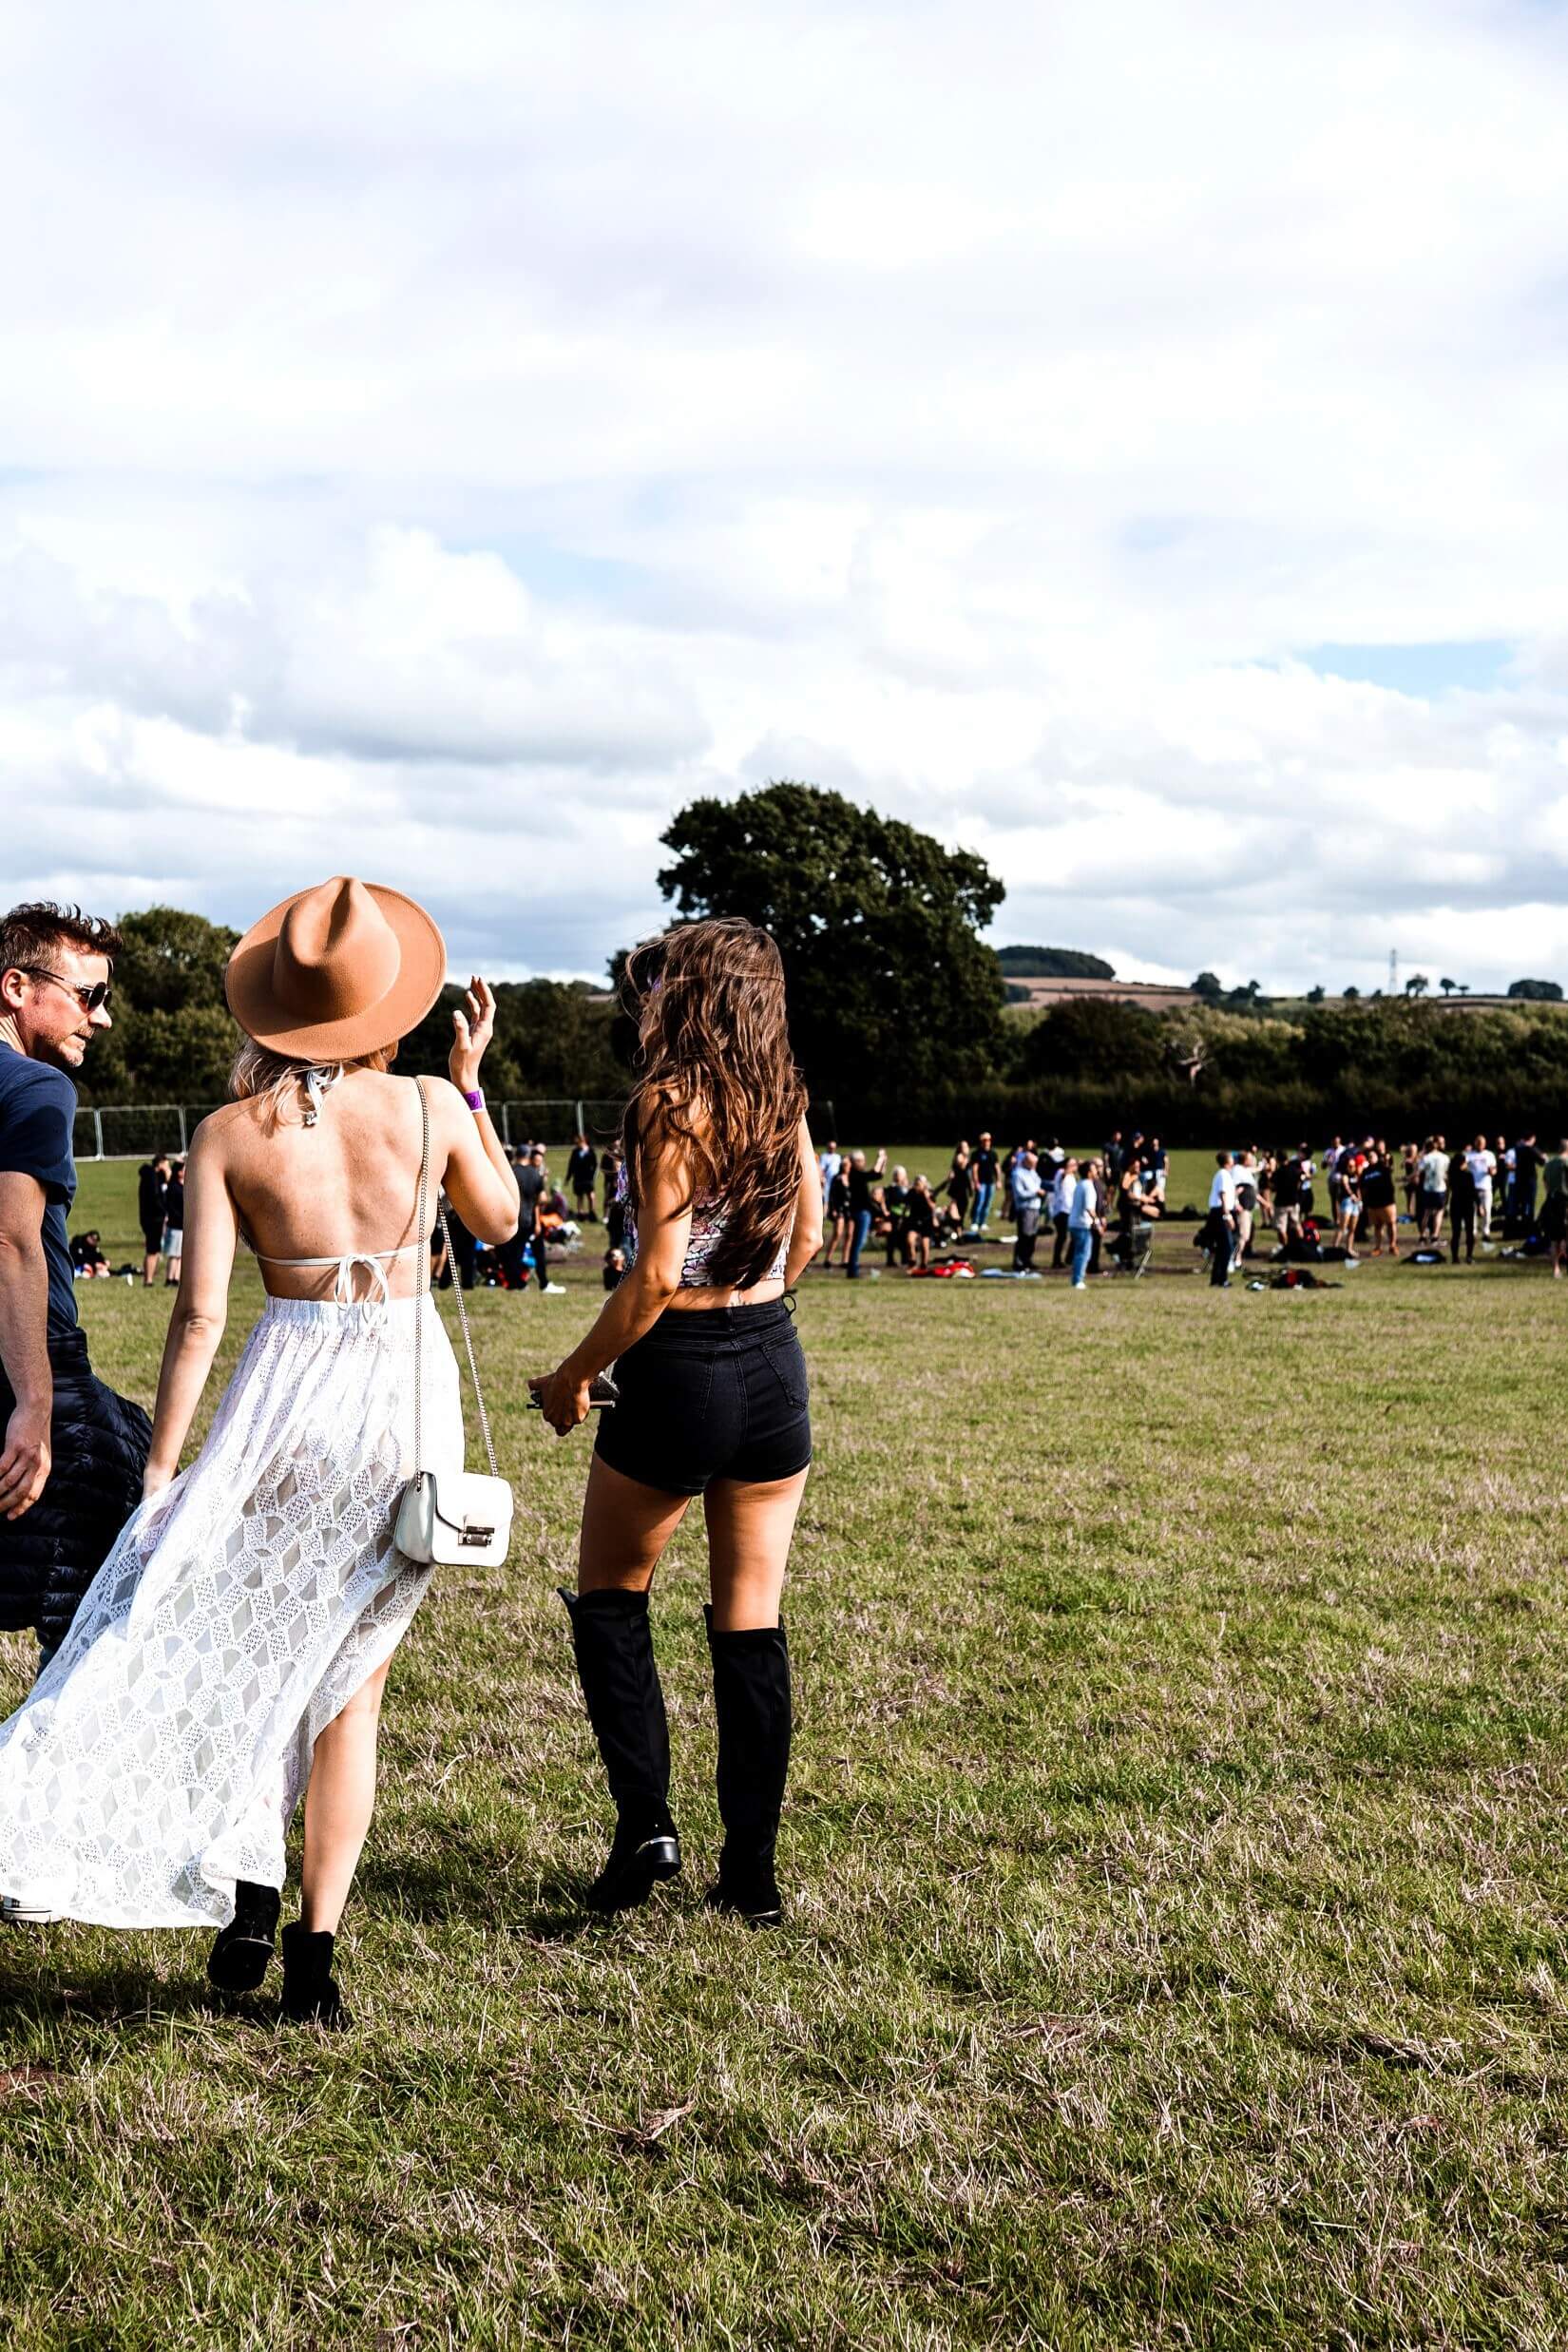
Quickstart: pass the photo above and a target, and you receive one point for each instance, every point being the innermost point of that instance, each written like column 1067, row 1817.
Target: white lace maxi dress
column 162, row 1753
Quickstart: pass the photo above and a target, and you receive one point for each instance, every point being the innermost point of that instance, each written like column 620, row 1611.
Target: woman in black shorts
column 724, row 1210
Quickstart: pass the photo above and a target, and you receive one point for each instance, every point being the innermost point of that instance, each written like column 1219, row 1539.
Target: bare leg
column 149, row 1269
column 749, row 1532
column 338, row 1804
column 626, row 1527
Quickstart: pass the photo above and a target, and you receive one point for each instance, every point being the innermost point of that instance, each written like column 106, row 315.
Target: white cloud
column 443, row 444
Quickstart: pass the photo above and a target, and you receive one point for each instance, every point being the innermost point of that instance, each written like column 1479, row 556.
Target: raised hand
column 472, row 1030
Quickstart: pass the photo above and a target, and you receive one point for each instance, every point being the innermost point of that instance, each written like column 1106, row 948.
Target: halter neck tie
column 375, row 1306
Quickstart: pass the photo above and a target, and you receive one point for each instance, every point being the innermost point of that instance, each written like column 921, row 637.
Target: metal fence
column 141, row 1130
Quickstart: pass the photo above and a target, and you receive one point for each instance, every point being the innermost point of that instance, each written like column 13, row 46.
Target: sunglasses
column 89, row 999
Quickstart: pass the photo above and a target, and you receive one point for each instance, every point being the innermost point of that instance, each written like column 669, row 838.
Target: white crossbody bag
column 458, row 1517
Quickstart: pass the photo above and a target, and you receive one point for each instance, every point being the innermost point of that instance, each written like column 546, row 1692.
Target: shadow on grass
column 126, row 1994
column 478, row 1886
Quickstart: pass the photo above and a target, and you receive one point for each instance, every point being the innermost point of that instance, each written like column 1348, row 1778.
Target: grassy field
column 1177, row 1953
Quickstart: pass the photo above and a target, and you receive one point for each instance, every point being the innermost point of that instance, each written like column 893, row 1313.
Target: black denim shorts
column 717, row 1393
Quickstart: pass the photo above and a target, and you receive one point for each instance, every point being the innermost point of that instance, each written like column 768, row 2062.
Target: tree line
column 898, row 1010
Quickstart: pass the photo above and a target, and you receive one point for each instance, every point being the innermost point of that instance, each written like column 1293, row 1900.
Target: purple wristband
column 475, row 1102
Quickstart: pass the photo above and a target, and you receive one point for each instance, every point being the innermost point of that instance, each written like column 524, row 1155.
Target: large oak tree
column 890, row 987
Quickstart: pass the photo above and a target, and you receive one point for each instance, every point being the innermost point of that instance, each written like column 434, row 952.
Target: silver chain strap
column 462, row 1311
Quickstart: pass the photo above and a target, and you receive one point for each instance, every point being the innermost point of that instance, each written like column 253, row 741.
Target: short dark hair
column 30, row 932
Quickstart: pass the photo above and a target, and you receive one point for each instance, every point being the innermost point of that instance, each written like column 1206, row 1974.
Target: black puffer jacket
column 51, row 1555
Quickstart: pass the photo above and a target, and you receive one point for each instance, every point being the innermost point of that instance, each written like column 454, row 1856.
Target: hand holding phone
column 602, row 1391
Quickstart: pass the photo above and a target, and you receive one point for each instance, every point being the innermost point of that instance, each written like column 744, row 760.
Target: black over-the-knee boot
column 615, row 1664
column 752, row 1701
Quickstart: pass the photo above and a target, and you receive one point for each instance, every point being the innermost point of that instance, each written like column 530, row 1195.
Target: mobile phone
column 602, row 1391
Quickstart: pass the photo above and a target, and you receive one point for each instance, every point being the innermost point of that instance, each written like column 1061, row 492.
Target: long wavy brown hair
column 714, row 1072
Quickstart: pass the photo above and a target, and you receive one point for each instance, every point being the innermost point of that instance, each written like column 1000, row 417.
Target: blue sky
column 1126, row 443
column 1425, row 671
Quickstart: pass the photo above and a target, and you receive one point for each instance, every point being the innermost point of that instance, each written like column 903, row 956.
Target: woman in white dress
column 233, row 1648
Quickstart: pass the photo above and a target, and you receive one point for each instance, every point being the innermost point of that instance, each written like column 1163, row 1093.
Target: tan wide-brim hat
column 337, row 971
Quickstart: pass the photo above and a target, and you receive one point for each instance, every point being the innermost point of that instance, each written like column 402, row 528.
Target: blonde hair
column 258, row 1075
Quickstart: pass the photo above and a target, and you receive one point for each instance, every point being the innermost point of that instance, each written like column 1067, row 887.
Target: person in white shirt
column 830, row 1164
column 1433, row 1170
column 1222, row 1218
column 1084, row 1222
column 1483, row 1164
column 1026, row 1192
column 1061, row 1205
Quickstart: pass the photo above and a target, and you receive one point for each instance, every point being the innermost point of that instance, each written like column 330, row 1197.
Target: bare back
column 345, row 1186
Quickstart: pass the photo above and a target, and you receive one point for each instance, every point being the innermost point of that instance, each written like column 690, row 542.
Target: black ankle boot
column 238, row 1961
column 752, row 1701
column 640, row 1856
column 615, row 1663
column 310, row 1990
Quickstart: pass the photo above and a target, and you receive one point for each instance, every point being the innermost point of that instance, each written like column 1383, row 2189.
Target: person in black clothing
column 581, row 1168
column 861, row 1211
column 609, row 1175
column 961, row 1184
column 837, row 1223
column 72, row 1452
column 174, row 1225
column 1462, row 1210
column 894, row 1218
column 511, row 1258
column 86, row 1253
column 713, row 1402
column 919, row 1222
column 1129, row 1197
column 986, row 1168
column 152, row 1185
column 614, row 1221
column 532, row 1185
column 1380, row 1200
column 465, row 1251
column 1112, row 1157
column 1286, row 1195
column 1528, row 1160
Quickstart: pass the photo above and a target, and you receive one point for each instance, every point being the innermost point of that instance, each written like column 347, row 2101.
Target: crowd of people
column 1097, row 1212
column 920, row 1224
column 1518, row 1190
column 1101, row 1209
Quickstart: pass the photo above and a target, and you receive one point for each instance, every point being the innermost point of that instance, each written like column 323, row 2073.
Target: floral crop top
column 707, row 1229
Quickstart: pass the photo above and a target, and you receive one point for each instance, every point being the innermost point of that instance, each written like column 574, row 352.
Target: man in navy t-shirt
column 37, row 1114
column 72, row 1452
